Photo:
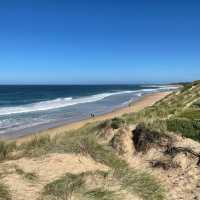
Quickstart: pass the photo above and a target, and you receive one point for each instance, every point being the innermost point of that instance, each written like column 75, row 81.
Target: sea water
column 26, row 109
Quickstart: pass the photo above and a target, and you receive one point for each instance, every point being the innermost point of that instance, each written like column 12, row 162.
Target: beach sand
column 145, row 101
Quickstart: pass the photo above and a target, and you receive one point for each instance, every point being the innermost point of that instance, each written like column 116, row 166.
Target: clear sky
column 99, row 41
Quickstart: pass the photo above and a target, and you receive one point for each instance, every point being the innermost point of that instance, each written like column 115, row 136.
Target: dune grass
column 188, row 128
column 134, row 182
column 64, row 187
column 178, row 112
column 31, row 176
column 6, row 149
column 102, row 194
column 75, row 185
column 84, row 141
column 190, row 114
column 4, row 192
column 138, row 183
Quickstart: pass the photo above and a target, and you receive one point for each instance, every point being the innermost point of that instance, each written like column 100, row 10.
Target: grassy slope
column 178, row 112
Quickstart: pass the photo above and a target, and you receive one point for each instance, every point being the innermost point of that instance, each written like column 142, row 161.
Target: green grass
column 190, row 114
column 188, row 128
column 4, row 192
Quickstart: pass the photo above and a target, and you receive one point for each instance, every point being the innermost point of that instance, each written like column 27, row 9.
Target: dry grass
column 4, row 192
column 31, row 176
column 6, row 149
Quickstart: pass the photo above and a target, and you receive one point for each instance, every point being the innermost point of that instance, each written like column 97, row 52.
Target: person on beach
column 92, row 115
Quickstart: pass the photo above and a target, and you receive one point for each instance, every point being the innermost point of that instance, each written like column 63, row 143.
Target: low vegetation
column 85, row 141
column 4, row 192
column 6, row 149
column 109, row 186
column 64, row 187
column 178, row 112
column 31, row 176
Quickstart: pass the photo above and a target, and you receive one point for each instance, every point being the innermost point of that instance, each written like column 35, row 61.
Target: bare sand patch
column 47, row 168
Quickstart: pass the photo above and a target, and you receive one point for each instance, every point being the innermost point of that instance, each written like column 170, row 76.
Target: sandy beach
column 145, row 101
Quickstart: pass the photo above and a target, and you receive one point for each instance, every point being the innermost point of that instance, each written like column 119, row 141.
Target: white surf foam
column 65, row 102
column 56, row 103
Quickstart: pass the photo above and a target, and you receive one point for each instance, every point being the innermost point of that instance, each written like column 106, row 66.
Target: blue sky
column 99, row 41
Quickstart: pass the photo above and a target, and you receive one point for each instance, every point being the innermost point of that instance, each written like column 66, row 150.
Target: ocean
column 25, row 109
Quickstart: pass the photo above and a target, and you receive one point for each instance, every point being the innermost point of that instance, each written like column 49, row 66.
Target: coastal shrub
column 4, row 192
column 188, row 128
column 117, row 122
column 105, row 124
column 6, row 148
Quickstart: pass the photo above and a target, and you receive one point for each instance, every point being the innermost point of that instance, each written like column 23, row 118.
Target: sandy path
column 147, row 100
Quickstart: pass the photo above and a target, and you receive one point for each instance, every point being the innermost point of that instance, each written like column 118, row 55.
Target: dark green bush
column 117, row 123
column 188, row 128
column 105, row 124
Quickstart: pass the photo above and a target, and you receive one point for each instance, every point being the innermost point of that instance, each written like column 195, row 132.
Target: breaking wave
column 56, row 103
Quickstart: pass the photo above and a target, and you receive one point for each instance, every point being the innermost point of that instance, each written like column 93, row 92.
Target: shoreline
column 143, row 102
